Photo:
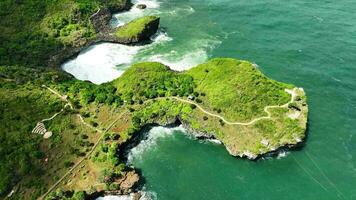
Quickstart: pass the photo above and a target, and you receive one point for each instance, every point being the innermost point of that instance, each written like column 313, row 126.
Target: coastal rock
column 138, row 30
column 128, row 182
column 119, row 6
column 136, row 196
column 141, row 6
column 101, row 19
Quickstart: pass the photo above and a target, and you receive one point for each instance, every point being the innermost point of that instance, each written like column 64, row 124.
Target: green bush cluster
column 151, row 80
column 67, row 195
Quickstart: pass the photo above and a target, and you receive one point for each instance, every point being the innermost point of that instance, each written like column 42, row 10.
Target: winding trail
column 266, row 109
column 64, row 98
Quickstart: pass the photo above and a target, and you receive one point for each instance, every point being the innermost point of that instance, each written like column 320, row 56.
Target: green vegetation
column 151, row 80
column 32, row 31
column 29, row 163
column 235, row 90
column 245, row 90
column 147, row 93
column 136, row 29
column 20, row 149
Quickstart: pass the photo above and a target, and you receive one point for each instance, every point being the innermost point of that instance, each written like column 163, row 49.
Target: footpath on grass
column 266, row 109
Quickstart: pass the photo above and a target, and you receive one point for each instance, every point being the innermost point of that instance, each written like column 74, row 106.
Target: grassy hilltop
column 230, row 89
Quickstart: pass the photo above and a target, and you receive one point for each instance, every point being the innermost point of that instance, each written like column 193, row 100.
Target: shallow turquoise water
column 311, row 44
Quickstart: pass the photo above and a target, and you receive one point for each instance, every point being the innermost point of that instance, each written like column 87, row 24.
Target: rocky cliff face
column 101, row 19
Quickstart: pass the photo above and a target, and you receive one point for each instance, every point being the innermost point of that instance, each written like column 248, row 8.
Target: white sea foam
column 145, row 195
column 112, row 197
column 194, row 54
column 122, row 18
column 282, row 154
column 153, row 136
column 104, row 62
column 98, row 63
column 181, row 63
column 160, row 37
column 214, row 141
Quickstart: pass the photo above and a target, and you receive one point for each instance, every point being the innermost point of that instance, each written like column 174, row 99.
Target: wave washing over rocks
column 145, row 195
column 105, row 62
column 153, row 136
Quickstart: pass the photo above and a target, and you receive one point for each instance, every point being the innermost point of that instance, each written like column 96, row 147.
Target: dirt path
column 89, row 153
column 266, row 109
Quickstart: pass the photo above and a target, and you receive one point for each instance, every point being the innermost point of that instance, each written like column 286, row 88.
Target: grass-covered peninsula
column 62, row 138
column 226, row 99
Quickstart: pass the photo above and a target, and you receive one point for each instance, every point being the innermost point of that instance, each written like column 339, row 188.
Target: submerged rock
column 138, row 30
column 141, row 6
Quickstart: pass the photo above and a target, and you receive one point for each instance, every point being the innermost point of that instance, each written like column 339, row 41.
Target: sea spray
column 145, row 195
column 122, row 18
column 98, row 63
column 104, row 62
column 154, row 135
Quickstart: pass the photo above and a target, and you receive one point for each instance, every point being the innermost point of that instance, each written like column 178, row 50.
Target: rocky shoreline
column 104, row 33
column 126, row 147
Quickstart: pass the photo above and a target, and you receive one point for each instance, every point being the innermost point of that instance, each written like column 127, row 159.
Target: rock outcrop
column 141, row 6
column 128, row 182
column 101, row 19
column 138, row 31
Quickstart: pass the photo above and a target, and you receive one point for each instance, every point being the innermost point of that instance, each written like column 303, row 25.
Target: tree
column 100, row 97
column 79, row 195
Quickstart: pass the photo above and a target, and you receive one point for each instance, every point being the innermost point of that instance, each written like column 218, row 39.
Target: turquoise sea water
column 311, row 44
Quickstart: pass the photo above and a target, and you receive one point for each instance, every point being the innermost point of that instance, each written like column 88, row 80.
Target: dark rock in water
column 138, row 31
column 141, row 6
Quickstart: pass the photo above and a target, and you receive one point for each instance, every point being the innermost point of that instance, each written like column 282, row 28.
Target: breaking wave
column 153, row 137
column 105, row 62
column 145, row 195
column 122, row 18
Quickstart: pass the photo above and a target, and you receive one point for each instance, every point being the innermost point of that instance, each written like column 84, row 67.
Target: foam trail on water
column 153, row 136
